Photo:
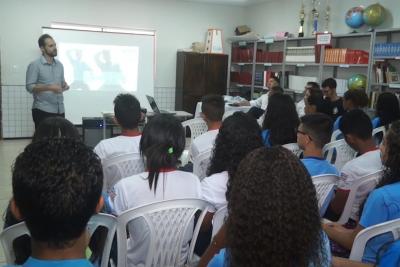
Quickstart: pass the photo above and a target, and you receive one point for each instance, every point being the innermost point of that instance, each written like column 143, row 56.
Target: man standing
column 45, row 80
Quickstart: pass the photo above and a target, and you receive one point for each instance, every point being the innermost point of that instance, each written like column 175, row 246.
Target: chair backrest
column 336, row 135
column 365, row 185
column 201, row 163
column 168, row 223
column 197, row 127
column 338, row 153
column 11, row 233
column 121, row 166
column 219, row 219
column 324, row 186
column 357, row 251
column 378, row 134
column 294, row 147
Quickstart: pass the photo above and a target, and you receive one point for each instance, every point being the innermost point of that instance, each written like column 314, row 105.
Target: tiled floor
column 9, row 150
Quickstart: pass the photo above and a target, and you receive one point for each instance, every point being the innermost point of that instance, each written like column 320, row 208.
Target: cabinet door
column 216, row 74
column 194, row 74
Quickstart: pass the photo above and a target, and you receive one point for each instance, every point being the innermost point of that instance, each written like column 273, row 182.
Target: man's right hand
column 55, row 88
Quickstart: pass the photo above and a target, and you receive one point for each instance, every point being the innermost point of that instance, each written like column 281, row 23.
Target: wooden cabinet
column 198, row 75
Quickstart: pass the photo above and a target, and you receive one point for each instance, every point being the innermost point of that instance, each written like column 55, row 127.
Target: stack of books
column 346, row 56
column 387, row 50
column 242, row 54
column 270, row 57
column 300, row 54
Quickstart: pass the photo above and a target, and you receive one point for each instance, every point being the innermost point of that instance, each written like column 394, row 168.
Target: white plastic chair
column 119, row 167
column 8, row 236
column 324, row 186
column 357, row 251
column 197, row 127
column 168, row 222
column 338, row 153
column 363, row 186
column 201, row 163
column 219, row 219
column 294, row 147
column 336, row 135
column 378, row 134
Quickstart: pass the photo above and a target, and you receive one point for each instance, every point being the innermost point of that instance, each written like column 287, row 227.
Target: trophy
column 315, row 16
column 327, row 15
column 302, row 17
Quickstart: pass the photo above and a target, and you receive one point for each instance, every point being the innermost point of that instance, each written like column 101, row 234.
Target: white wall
column 283, row 15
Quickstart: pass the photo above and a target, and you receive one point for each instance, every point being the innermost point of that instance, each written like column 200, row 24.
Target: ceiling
column 231, row 2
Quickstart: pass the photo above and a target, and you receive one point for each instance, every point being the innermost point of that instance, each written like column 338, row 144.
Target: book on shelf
column 346, row 56
column 387, row 50
column 300, row 54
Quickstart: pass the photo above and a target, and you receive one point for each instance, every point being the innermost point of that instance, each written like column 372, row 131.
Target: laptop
column 154, row 106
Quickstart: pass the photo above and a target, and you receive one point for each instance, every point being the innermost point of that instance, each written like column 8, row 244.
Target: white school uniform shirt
column 213, row 189
column 203, row 143
column 300, row 108
column 353, row 170
column 134, row 191
column 118, row 145
column 261, row 102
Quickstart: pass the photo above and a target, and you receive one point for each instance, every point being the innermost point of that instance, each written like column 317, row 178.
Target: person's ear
column 100, row 204
column 15, row 210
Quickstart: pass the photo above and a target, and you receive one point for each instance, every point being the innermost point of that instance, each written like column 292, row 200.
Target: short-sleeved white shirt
column 353, row 170
column 203, row 143
column 213, row 189
column 134, row 191
column 118, row 145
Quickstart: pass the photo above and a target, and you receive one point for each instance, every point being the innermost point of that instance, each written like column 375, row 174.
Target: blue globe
column 354, row 17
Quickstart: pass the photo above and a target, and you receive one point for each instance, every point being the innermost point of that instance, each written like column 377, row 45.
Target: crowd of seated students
column 273, row 216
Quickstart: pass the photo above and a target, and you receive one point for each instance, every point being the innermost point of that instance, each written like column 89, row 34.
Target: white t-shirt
column 213, row 189
column 118, row 145
column 261, row 102
column 353, row 170
column 134, row 191
column 300, row 108
column 203, row 143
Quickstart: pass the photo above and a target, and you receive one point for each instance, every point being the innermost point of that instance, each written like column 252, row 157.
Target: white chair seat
column 338, row 153
column 197, row 126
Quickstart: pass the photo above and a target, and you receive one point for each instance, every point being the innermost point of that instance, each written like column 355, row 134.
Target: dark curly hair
column 57, row 185
column 273, row 217
column 55, row 127
column 358, row 97
column 238, row 135
column 387, row 108
column 281, row 119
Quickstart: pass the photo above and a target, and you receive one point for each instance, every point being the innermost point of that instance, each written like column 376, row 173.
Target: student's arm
column 339, row 201
column 216, row 245
column 343, row 262
column 343, row 236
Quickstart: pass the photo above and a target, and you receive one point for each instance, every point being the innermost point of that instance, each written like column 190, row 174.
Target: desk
column 228, row 108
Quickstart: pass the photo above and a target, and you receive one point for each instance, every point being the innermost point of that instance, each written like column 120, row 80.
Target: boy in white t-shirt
column 357, row 130
column 127, row 114
column 212, row 111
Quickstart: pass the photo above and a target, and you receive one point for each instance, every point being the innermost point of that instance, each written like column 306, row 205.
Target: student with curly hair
column 387, row 110
column 162, row 144
column 280, row 122
column 383, row 203
column 56, row 189
column 273, row 217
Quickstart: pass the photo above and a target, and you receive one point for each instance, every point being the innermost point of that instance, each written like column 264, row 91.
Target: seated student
column 357, row 130
column 329, row 89
column 352, row 99
column 212, row 111
column 128, row 115
column 280, row 122
column 315, row 103
column 238, row 135
column 382, row 204
column 310, row 88
column 56, row 189
column 262, row 101
column 273, row 216
column 387, row 110
column 162, row 144
column 313, row 133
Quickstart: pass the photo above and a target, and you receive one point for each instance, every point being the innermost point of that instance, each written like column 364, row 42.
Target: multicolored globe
column 354, row 17
column 357, row 81
column 374, row 15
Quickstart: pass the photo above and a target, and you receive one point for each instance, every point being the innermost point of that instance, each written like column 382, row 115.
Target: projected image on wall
column 89, row 67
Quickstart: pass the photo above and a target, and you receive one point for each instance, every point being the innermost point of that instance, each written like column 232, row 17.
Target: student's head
column 273, row 212
column 238, row 135
column 162, row 144
column 315, row 103
column 281, row 119
column 390, row 154
column 356, row 127
column 314, row 130
column 57, row 187
column 273, row 81
column 387, row 108
column 329, row 88
column 55, row 127
column 127, row 111
column 353, row 99
column 47, row 45
column 276, row 90
column 212, row 108
column 311, row 87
